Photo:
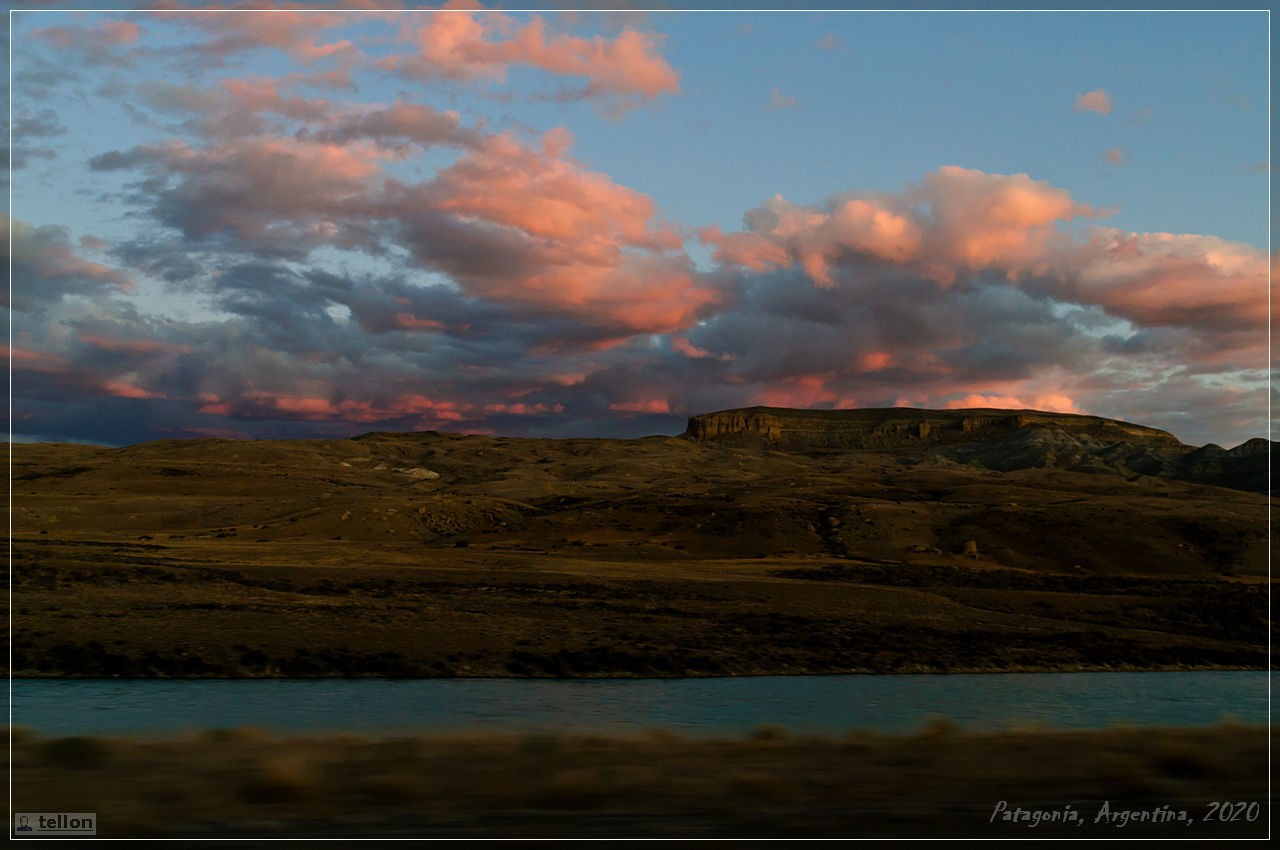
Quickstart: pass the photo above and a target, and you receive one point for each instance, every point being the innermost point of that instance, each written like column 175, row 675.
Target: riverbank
column 941, row 782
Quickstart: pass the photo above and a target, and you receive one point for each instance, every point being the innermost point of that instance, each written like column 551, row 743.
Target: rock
column 970, row 548
column 419, row 474
column 907, row 428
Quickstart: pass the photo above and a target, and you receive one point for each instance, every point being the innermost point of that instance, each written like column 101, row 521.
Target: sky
column 283, row 220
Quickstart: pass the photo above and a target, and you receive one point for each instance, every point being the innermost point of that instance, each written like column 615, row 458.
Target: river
column 712, row 706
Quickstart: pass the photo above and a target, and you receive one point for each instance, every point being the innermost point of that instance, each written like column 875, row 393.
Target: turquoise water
column 815, row 704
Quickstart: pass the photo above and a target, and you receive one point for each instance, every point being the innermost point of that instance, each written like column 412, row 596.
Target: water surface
column 814, row 704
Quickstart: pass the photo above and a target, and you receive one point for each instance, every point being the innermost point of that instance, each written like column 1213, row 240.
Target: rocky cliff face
column 901, row 427
column 1002, row 440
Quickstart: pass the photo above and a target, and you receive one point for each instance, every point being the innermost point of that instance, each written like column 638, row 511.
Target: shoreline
column 975, row 671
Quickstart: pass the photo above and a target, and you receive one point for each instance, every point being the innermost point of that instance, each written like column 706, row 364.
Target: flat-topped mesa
column 903, row 427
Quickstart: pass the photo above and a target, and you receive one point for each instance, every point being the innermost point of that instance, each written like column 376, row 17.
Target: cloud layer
column 289, row 274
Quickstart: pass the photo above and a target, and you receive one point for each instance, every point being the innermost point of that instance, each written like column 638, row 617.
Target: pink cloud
column 120, row 32
column 26, row 360
column 297, row 32
column 796, row 391
column 263, row 95
column 589, row 247
column 482, row 46
column 681, row 344
column 1170, row 279
column 273, row 405
column 981, row 220
column 522, row 409
column 874, row 361
column 753, row 250
column 73, row 38
column 124, row 389
column 141, row 347
column 410, row 322
column 548, row 195
column 1095, row 101
column 652, row 405
column 1056, row 403
column 782, row 232
column 958, row 219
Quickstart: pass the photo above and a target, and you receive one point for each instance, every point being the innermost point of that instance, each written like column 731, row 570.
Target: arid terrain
column 940, row 782
column 761, row 541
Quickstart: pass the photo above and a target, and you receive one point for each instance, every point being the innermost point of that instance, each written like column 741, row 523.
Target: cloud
column 106, row 43
column 42, row 124
column 547, row 195
column 1141, row 117
column 781, row 232
column 980, row 220
column 1116, row 156
column 1168, row 279
column 624, row 71
column 400, row 123
column 326, row 288
column 777, row 101
column 300, row 34
column 529, row 226
column 1095, row 101
column 261, row 189
column 46, row 268
column 957, row 220
column 829, row 42
column 1056, row 403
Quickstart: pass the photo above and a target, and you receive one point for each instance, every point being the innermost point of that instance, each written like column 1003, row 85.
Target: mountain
column 1000, row 440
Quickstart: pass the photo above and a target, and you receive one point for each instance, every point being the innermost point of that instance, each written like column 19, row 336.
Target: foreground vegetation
column 940, row 782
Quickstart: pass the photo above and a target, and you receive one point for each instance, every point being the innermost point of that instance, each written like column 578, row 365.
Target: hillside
column 443, row 554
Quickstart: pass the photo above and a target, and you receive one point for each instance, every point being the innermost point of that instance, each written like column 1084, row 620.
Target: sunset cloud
column 626, row 69
column 313, row 223
column 781, row 233
column 957, row 220
column 1116, row 156
column 1095, row 101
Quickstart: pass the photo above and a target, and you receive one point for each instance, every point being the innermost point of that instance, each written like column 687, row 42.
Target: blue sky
column 642, row 217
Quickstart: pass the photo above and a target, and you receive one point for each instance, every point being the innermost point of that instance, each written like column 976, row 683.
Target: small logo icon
column 24, row 823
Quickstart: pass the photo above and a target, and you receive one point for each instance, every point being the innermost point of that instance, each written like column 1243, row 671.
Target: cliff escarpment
column 1001, row 440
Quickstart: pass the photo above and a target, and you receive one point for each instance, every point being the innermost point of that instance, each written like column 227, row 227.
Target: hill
column 871, row 540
